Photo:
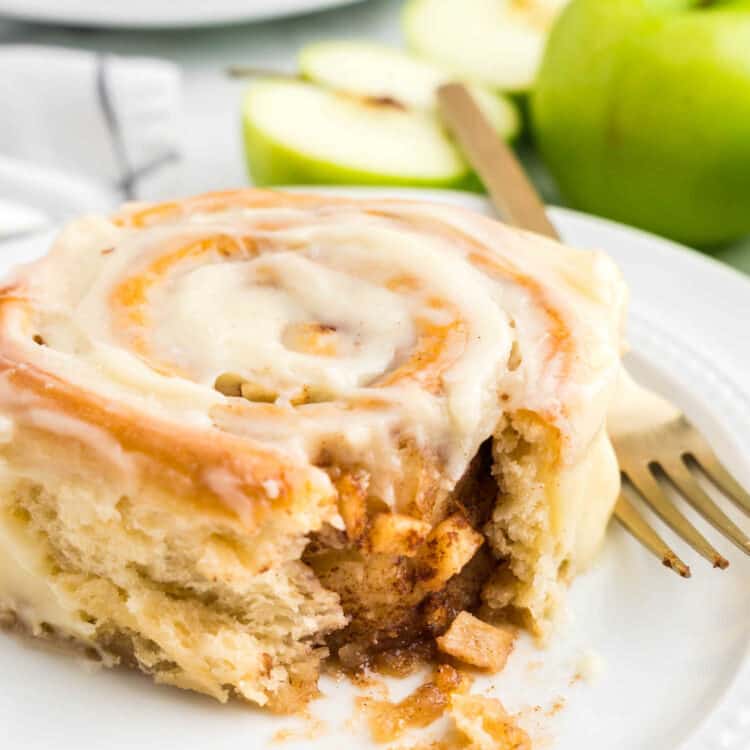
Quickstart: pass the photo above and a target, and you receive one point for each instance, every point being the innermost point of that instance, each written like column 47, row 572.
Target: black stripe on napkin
column 129, row 175
column 104, row 95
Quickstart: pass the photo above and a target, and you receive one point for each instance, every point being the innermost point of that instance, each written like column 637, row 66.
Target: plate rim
column 18, row 10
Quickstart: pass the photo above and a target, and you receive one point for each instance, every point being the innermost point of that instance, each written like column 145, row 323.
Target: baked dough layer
column 245, row 429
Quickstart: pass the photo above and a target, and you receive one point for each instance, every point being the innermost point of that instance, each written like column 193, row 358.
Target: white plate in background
column 676, row 670
column 158, row 13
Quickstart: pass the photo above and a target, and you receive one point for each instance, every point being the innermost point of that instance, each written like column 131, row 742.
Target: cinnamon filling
column 400, row 581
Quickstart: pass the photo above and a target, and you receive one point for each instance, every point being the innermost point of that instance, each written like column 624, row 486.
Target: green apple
column 371, row 120
column 642, row 113
column 495, row 42
column 379, row 72
column 299, row 133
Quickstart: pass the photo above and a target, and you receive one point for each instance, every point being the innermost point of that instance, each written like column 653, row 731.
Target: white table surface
column 211, row 135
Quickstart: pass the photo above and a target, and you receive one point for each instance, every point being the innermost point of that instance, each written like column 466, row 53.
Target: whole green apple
column 642, row 112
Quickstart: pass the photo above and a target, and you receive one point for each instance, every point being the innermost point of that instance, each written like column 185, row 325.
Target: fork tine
column 710, row 464
column 648, row 487
column 679, row 475
column 634, row 522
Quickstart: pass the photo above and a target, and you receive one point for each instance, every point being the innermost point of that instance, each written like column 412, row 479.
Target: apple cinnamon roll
column 246, row 430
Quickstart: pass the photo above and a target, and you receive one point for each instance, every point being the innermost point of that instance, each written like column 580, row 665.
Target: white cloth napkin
column 81, row 131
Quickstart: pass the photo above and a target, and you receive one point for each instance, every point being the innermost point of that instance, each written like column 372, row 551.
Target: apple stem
column 249, row 71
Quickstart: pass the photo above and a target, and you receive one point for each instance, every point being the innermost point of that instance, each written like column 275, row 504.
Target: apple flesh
column 379, row 72
column 642, row 113
column 299, row 133
column 495, row 42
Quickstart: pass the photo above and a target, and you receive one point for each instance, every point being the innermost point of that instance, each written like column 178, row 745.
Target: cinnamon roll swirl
column 244, row 430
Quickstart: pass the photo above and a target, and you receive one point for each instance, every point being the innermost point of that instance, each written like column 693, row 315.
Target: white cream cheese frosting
column 379, row 278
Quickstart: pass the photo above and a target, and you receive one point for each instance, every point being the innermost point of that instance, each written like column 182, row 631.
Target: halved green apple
column 299, row 133
column 496, row 42
column 380, row 72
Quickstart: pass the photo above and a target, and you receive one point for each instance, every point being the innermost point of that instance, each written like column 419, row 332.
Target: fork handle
column 510, row 189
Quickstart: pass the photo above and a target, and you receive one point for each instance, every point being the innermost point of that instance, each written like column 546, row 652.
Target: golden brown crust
column 170, row 457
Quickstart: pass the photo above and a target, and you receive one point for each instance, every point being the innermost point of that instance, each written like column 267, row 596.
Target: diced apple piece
column 477, row 643
column 450, row 545
column 352, row 502
column 397, row 534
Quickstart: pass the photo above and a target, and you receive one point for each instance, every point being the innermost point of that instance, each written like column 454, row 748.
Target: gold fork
column 655, row 443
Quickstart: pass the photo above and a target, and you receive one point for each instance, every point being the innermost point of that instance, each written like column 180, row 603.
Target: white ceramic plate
column 158, row 13
column 676, row 669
